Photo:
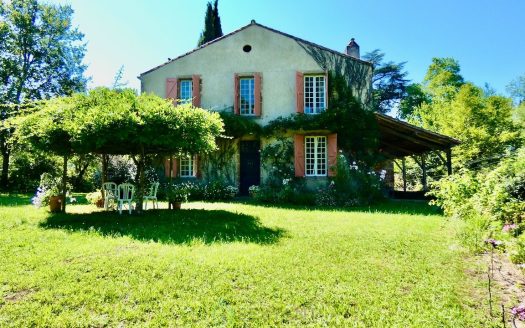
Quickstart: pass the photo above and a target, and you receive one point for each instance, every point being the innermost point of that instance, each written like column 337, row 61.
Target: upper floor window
column 314, row 94
column 315, row 156
column 186, row 91
column 187, row 166
column 247, row 96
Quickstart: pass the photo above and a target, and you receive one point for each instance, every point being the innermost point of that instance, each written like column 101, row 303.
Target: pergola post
column 424, row 169
column 404, row 172
column 448, row 152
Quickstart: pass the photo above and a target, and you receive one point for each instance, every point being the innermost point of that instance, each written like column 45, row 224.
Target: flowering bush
column 94, row 197
column 353, row 185
column 210, row 191
column 49, row 186
column 518, row 312
column 177, row 193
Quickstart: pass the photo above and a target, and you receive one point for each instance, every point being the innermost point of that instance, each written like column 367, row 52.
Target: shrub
column 94, row 197
column 353, row 185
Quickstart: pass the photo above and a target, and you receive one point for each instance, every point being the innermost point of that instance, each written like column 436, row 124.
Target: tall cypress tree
column 212, row 24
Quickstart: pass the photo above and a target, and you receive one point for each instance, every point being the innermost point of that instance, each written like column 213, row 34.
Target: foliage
column 120, row 122
column 236, row 126
column 94, row 198
column 489, row 200
column 213, row 190
column 352, row 186
column 41, row 56
column 177, row 193
column 483, row 124
column 389, row 82
column 27, row 166
column 212, row 24
column 443, row 79
column 516, row 89
column 415, row 96
column 49, row 186
column 236, row 264
column 356, row 127
column 277, row 161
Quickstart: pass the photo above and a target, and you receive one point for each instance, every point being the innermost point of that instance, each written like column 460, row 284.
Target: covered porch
column 399, row 140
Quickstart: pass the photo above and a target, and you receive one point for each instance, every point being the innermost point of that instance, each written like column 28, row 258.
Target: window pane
column 187, row 166
column 186, row 91
column 314, row 94
column 315, row 156
column 247, row 96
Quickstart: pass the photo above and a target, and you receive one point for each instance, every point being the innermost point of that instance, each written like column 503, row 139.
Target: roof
column 253, row 23
column 400, row 139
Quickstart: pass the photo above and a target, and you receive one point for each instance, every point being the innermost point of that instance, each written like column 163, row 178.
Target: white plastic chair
column 125, row 196
column 110, row 193
column 152, row 196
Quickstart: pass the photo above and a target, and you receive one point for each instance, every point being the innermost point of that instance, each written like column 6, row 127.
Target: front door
column 250, row 165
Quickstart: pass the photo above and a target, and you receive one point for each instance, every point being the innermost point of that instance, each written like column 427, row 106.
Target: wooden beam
column 448, row 152
column 424, row 177
column 430, row 145
column 407, row 152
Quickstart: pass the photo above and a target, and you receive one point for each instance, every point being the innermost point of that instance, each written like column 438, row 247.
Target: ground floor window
column 315, row 156
column 186, row 91
column 187, row 166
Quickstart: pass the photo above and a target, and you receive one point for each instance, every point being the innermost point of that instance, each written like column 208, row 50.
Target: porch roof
column 399, row 139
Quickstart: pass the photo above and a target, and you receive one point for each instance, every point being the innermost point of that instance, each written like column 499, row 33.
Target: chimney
column 352, row 49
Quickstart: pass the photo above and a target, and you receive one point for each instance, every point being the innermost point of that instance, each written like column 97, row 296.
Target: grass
column 235, row 264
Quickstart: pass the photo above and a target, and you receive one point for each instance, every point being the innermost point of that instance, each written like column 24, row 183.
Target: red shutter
column 167, row 167
column 175, row 167
column 236, row 108
column 257, row 93
column 196, row 83
column 332, row 154
column 299, row 90
column 299, row 155
column 171, row 89
column 326, row 90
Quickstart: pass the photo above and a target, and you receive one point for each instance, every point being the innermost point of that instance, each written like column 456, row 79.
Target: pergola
column 398, row 139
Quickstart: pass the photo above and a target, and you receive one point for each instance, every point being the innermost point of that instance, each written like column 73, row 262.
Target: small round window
column 247, row 48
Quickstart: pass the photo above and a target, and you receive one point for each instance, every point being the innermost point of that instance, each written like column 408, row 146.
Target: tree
column 41, row 56
column 443, row 78
column 414, row 97
column 516, row 89
column 389, row 81
column 121, row 123
column 212, row 24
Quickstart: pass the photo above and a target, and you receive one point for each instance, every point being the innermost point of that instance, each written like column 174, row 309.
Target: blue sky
column 487, row 37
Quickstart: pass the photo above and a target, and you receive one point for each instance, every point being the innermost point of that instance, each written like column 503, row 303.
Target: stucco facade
column 274, row 56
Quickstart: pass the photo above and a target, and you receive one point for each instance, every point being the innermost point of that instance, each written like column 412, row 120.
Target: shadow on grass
column 389, row 206
column 15, row 199
column 171, row 227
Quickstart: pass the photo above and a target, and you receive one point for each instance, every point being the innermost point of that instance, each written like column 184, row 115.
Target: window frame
column 190, row 166
column 251, row 100
column 316, row 157
column 315, row 95
column 186, row 100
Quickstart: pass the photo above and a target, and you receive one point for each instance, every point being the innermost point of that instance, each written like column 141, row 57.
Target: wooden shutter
column 196, row 84
column 173, row 169
column 171, row 89
column 332, row 154
column 257, row 93
column 299, row 155
column 299, row 91
column 236, row 108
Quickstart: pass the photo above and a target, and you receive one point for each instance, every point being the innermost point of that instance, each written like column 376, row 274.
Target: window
column 315, row 156
column 247, row 96
column 314, row 94
column 187, row 166
column 186, row 91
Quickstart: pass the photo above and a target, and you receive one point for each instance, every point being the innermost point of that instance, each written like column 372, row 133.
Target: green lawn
column 233, row 264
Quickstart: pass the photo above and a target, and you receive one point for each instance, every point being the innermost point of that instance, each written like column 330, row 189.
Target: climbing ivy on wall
column 356, row 127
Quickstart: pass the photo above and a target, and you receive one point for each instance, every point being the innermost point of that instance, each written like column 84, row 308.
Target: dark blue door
column 250, row 165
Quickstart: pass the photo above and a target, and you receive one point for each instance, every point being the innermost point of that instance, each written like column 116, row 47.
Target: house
column 260, row 73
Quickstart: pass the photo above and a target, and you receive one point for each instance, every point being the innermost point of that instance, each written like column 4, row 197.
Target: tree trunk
column 5, row 170
column 140, row 180
column 104, row 173
column 64, row 185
